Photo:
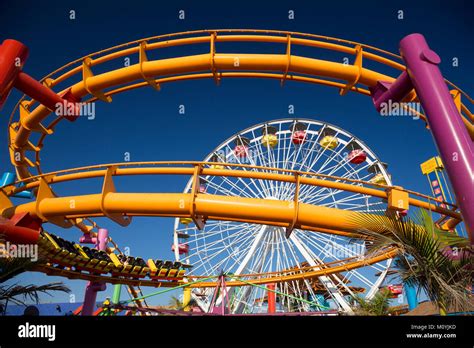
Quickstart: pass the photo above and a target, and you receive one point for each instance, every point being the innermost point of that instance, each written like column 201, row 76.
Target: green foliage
column 423, row 260
column 176, row 304
column 377, row 305
column 19, row 294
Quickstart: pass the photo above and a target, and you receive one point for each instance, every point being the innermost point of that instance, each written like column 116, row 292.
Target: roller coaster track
column 110, row 203
column 285, row 66
column 77, row 79
column 64, row 263
column 120, row 207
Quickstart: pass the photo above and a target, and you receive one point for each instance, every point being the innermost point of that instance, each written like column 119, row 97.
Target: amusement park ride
column 265, row 218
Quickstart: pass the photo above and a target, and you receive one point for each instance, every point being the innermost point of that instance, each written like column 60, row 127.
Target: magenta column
column 92, row 288
column 451, row 137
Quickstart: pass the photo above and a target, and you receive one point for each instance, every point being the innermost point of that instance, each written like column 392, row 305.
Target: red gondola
column 298, row 135
column 241, row 148
column 356, row 155
column 183, row 248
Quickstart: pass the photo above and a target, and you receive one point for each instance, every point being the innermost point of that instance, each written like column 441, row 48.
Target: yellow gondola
column 329, row 139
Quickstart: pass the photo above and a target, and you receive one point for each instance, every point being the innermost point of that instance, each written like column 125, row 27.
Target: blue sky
column 147, row 124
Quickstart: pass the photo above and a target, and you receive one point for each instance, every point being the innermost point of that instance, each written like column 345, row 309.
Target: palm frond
column 379, row 304
column 19, row 294
column 423, row 261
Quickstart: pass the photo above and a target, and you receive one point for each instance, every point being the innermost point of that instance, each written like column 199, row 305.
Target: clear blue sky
column 147, row 123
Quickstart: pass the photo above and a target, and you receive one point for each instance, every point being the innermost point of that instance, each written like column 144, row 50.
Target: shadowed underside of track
column 201, row 207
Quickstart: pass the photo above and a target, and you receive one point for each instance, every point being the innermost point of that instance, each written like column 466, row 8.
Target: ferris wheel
column 239, row 248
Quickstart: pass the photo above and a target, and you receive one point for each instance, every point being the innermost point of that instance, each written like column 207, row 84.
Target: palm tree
column 379, row 304
column 176, row 304
column 425, row 256
column 19, row 294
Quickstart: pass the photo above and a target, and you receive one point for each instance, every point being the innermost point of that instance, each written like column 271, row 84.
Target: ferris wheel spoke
column 206, row 265
column 334, row 154
column 241, row 237
column 263, row 162
column 256, row 267
column 263, row 184
column 214, row 232
column 296, row 285
column 310, row 150
column 257, row 187
column 342, row 244
column 245, row 248
column 366, row 208
column 314, row 261
column 349, row 170
column 219, row 188
column 340, row 201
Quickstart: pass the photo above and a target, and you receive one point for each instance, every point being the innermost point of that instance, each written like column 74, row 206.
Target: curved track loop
column 74, row 263
column 283, row 65
column 109, row 203
column 49, row 207
column 257, row 280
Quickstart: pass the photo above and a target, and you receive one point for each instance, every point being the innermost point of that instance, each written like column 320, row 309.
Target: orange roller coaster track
column 109, row 203
column 78, row 80
column 212, row 64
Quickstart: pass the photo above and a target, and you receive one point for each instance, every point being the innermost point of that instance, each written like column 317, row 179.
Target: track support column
column 271, row 298
column 412, row 298
column 93, row 288
column 186, row 299
column 451, row 136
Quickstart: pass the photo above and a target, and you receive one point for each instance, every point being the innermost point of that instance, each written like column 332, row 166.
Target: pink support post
column 449, row 132
column 92, row 288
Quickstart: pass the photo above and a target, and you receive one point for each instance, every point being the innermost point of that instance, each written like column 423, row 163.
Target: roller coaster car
column 92, row 259
column 163, row 268
column 177, row 264
column 173, row 272
column 81, row 251
column 103, row 260
column 151, row 268
column 104, row 256
column 50, row 243
column 138, row 264
column 63, row 252
column 110, row 266
column 115, row 259
column 127, row 263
